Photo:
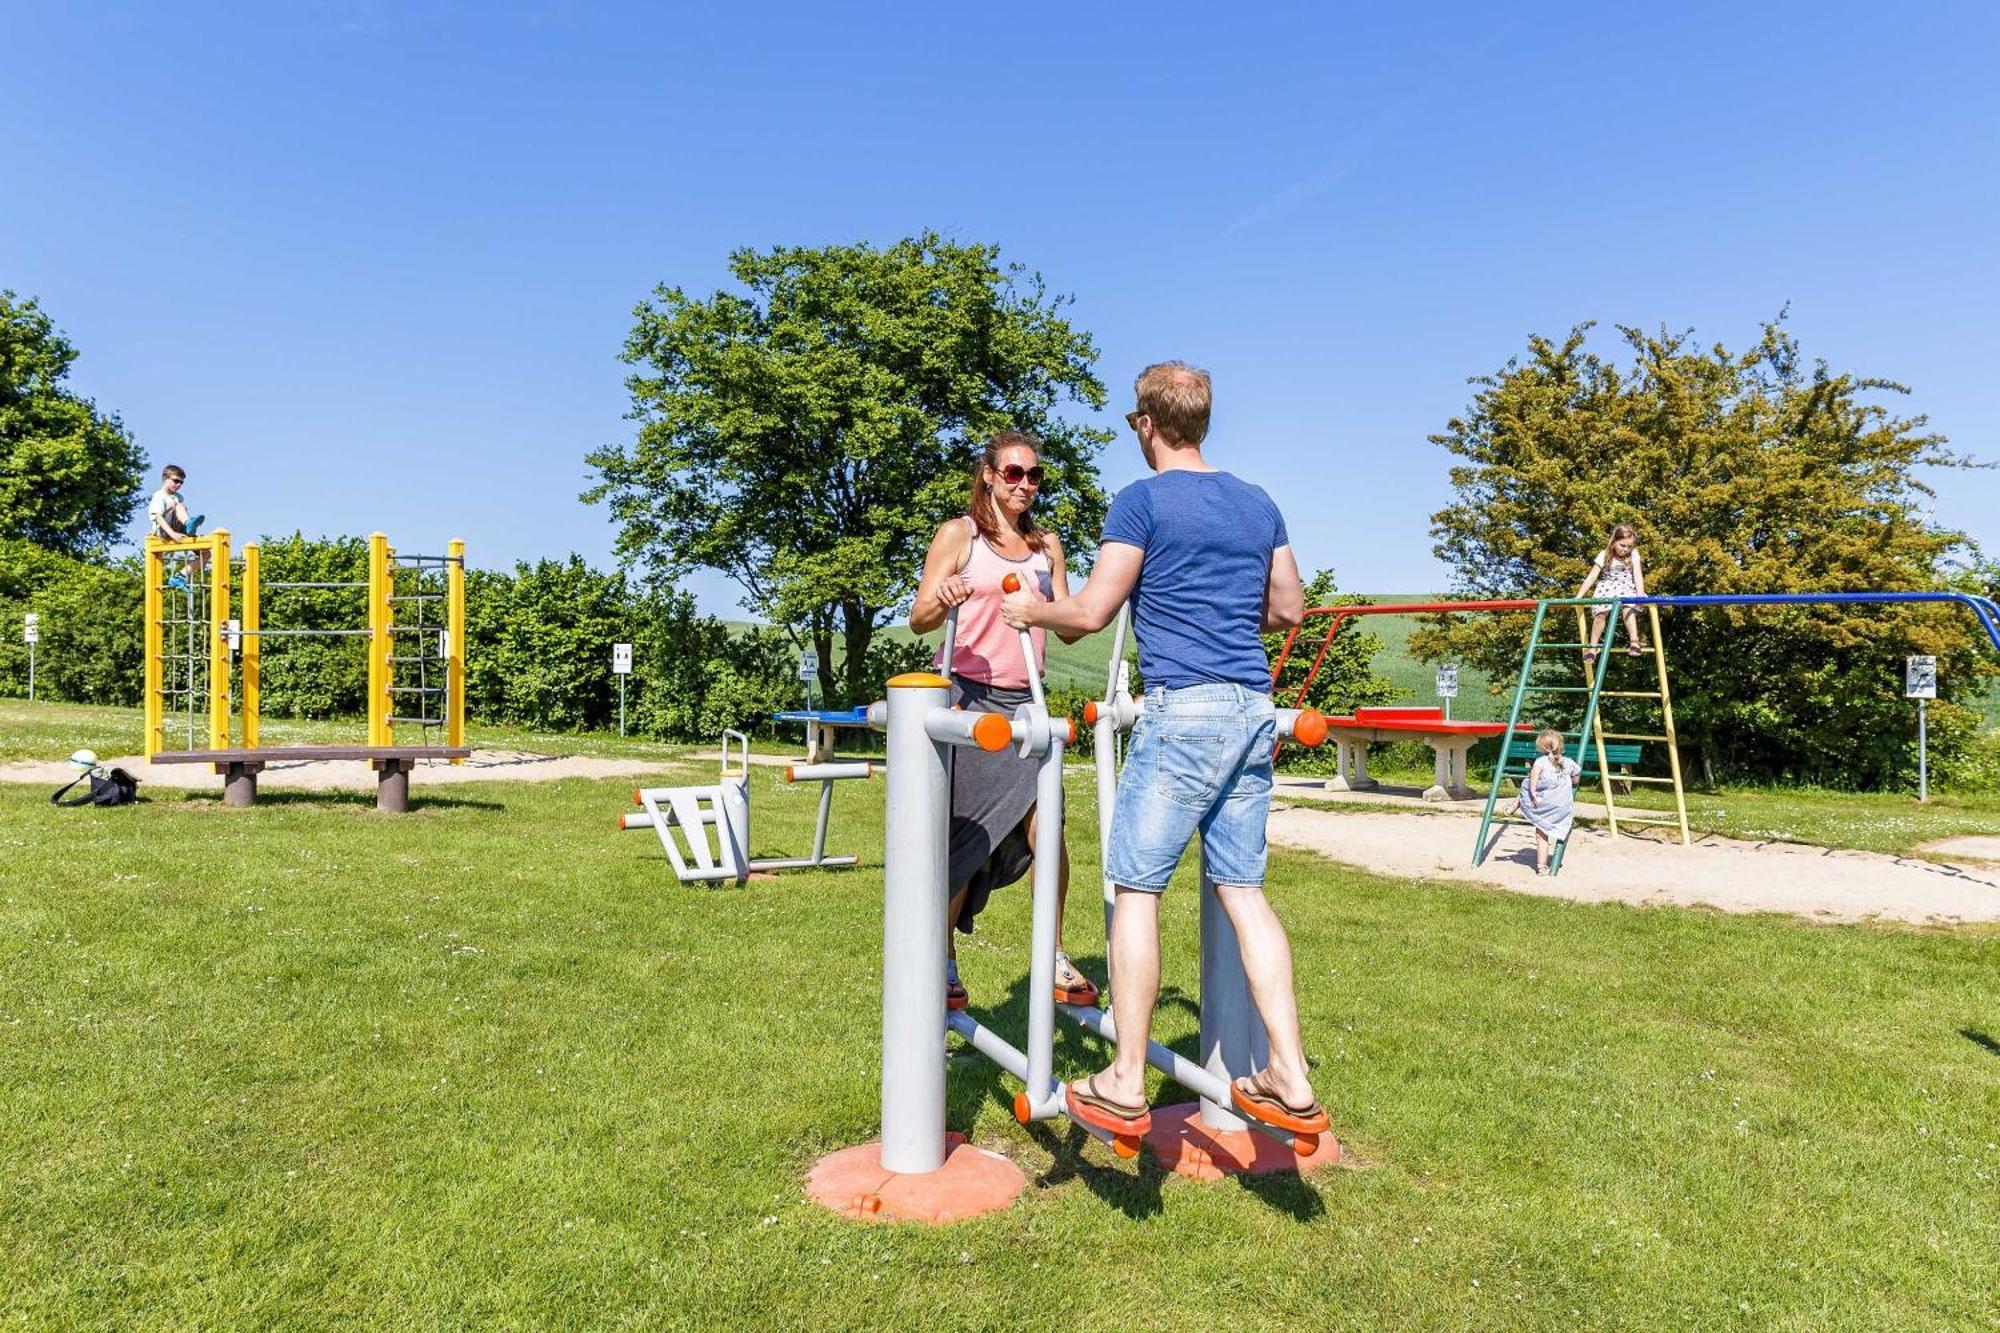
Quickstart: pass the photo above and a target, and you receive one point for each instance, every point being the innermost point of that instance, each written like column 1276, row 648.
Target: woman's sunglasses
column 1014, row 474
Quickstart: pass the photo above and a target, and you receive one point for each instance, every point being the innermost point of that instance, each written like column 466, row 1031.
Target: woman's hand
column 954, row 591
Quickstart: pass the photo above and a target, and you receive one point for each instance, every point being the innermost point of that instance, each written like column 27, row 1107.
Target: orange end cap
column 788, row 774
column 992, row 732
column 1012, row 583
column 1070, row 722
column 1022, row 1111
column 1310, row 729
column 1125, row 1147
column 636, row 798
column 1090, row 713
column 919, row 680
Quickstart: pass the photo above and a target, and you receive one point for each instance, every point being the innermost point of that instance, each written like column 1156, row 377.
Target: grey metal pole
column 1042, row 1100
column 1232, row 1036
column 1923, row 754
column 31, row 673
column 915, row 864
column 621, row 705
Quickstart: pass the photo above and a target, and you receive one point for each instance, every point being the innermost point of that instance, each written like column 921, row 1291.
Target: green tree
column 807, row 434
column 68, row 473
column 1743, row 472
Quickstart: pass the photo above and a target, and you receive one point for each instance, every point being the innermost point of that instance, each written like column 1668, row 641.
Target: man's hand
column 1019, row 608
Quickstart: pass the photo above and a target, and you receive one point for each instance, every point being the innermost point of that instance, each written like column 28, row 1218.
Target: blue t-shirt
column 1198, row 607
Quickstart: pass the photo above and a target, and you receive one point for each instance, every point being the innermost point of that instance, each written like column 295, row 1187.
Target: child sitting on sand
column 1548, row 795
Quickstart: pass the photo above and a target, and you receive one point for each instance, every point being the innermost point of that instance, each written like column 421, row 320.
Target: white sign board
column 232, row 634
column 31, row 628
column 621, row 659
column 808, row 665
column 1447, row 682
column 1920, row 678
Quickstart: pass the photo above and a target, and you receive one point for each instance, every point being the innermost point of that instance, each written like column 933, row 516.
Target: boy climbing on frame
column 1208, row 566
column 168, row 516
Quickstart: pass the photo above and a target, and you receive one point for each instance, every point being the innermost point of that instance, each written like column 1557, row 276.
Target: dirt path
column 1723, row 873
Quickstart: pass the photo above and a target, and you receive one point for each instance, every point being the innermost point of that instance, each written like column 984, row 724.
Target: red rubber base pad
column 1185, row 1146
column 971, row 1181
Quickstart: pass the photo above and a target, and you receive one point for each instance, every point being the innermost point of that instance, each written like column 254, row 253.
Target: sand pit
column 1723, row 873
column 322, row 775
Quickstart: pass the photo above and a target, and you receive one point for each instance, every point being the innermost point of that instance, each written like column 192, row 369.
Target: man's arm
column 1284, row 599
column 1059, row 580
column 1111, row 581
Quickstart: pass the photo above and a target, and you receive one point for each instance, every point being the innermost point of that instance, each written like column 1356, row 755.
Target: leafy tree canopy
column 807, row 434
column 68, row 473
column 1742, row 472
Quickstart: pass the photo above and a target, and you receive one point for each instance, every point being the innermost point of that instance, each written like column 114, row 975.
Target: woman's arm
column 1059, row 580
column 1638, row 572
column 941, row 588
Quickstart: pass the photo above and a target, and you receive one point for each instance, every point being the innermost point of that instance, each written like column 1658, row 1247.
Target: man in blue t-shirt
column 1208, row 567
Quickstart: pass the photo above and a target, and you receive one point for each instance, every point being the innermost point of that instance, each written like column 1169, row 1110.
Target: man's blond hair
column 1177, row 396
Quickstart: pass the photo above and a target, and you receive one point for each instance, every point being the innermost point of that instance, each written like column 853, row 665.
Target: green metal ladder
column 1509, row 741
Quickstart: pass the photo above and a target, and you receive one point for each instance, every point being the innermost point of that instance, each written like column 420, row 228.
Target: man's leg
column 1135, row 943
column 1267, row 962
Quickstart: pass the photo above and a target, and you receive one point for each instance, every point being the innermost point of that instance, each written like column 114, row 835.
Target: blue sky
column 369, row 265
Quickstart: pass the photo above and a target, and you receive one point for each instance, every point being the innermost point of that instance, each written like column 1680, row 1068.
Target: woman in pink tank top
column 993, row 795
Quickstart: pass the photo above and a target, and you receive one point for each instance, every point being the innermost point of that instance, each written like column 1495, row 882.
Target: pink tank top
column 988, row 649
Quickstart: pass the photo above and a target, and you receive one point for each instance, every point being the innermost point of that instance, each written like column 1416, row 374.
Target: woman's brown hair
column 979, row 506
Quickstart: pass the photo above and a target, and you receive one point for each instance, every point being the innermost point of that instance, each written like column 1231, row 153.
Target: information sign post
column 1920, row 683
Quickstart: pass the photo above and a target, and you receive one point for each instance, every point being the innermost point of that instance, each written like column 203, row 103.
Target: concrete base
column 1183, row 1145
column 392, row 785
column 239, row 784
column 972, row 1181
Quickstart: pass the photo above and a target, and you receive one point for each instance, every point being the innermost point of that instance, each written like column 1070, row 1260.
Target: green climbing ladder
column 1517, row 754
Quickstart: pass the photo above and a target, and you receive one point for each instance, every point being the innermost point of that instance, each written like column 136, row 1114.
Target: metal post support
column 1232, row 1035
column 252, row 652
column 218, row 643
column 621, row 706
column 1923, row 753
column 1043, row 1101
column 916, row 863
column 454, row 667
column 31, row 671
column 155, row 569
column 379, row 732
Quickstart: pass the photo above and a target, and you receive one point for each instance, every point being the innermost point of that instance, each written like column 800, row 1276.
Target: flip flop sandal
column 1080, row 991
column 1262, row 1106
column 955, row 996
column 1112, row 1117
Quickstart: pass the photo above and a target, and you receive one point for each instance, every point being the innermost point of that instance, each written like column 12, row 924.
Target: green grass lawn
column 488, row 1065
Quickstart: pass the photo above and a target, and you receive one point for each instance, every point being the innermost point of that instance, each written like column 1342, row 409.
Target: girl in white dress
column 1616, row 572
column 1548, row 796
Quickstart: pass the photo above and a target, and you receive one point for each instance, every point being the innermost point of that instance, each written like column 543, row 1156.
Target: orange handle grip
column 1012, row 583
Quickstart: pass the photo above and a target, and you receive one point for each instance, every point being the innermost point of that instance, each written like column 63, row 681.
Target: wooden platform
column 392, row 765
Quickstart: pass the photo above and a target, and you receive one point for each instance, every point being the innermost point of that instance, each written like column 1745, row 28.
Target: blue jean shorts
column 1200, row 761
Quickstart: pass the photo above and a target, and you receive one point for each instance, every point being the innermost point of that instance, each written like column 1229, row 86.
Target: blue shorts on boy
column 1201, row 753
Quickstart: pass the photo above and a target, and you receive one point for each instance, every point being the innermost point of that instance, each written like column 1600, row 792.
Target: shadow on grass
column 976, row 1081
column 1982, row 1039
column 353, row 800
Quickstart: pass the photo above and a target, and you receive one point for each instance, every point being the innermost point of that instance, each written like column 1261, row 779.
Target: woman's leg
column 1633, row 643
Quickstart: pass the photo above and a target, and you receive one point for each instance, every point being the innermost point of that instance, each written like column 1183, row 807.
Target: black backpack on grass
column 115, row 787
